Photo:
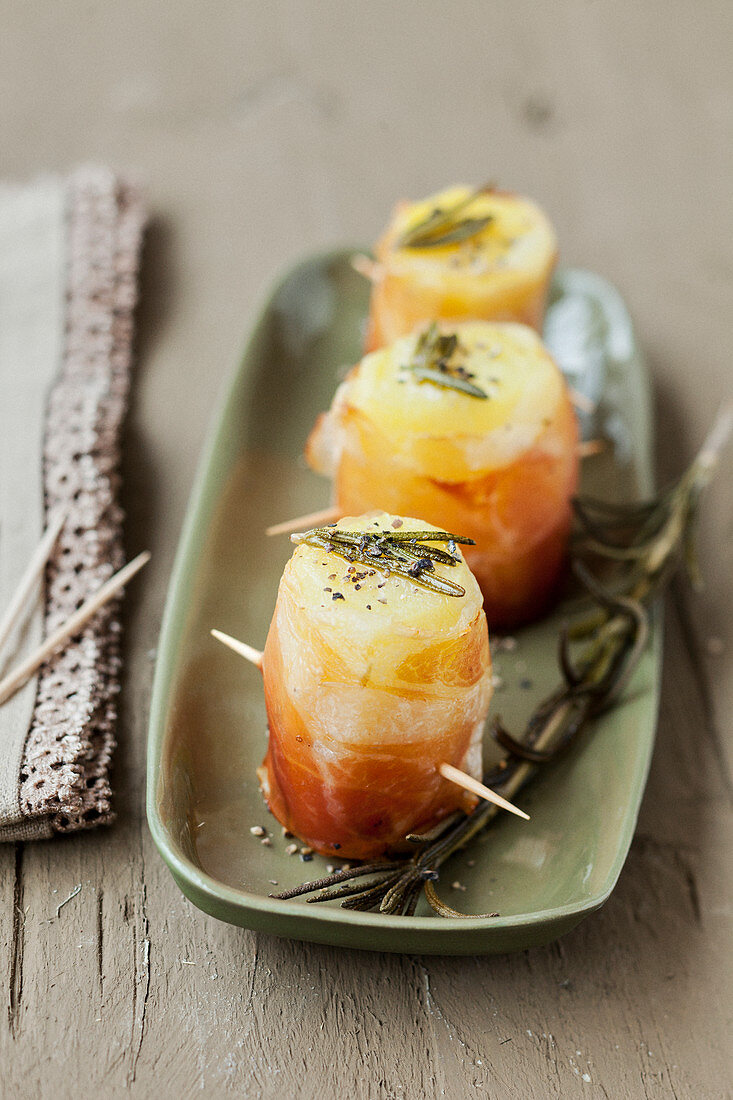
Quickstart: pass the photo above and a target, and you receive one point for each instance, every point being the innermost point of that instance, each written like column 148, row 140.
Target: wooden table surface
column 264, row 131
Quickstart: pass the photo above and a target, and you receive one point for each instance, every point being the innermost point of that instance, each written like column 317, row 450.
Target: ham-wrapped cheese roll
column 470, row 428
column 372, row 680
column 461, row 255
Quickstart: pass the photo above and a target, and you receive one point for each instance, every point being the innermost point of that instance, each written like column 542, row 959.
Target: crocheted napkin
column 69, row 255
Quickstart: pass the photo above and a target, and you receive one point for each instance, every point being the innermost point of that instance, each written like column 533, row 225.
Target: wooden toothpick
column 72, row 626
column 590, row 447
column 580, row 401
column 32, row 574
column 302, row 523
column 366, row 266
column 455, row 775
column 254, row 656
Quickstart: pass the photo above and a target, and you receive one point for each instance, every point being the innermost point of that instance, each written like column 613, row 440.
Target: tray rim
column 197, row 884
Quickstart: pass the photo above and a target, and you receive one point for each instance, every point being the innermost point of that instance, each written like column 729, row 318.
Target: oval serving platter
column 208, row 723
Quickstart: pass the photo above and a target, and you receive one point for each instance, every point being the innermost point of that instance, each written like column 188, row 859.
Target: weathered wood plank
column 642, row 974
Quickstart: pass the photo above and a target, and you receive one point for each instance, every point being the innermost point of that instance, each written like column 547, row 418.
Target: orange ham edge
column 519, row 515
column 518, row 512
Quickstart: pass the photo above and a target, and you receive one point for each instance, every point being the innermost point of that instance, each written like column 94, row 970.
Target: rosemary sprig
column 407, row 554
column 431, row 363
column 447, row 224
column 655, row 537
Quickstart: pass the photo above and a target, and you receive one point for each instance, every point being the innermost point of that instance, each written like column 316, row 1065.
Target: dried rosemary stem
column 646, row 542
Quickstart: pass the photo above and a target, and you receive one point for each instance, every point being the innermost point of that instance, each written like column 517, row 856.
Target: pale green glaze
column 207, row 720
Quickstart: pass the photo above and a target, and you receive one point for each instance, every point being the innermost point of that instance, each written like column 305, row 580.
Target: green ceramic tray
column 207, row 724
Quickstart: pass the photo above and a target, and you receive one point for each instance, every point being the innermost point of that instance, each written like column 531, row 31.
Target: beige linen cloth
column 69, row 255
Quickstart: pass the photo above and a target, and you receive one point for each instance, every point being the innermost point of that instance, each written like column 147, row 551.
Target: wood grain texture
column 266, row 132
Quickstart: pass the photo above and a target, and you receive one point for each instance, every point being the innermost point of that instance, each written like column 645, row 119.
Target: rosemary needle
column 405, row 554
column 447, row 224
column 432, row 362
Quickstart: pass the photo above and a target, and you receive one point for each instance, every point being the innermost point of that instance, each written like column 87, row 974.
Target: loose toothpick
column 72, row 626
column 455, row 775
column 32, row 574
column 303, row 523
column 254, row 656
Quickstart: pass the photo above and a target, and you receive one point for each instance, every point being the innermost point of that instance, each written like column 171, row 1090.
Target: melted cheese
column 383, row 622
column 501, row 273
column 519, row 237
column 444, row 433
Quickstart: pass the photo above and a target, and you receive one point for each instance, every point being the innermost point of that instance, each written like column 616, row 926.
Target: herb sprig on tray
column 407, row 554
column 646, row 543
column 431, row 362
